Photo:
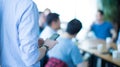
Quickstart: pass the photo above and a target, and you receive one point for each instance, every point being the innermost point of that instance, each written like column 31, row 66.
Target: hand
column 50, row 43
column 40, row 42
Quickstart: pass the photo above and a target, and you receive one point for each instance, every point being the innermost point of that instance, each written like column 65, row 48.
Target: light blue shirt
column 66, row 51
column 19, row 34
column 0, row 25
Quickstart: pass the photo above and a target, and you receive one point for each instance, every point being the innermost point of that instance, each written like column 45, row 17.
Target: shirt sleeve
column 75, row 55
column 28, row 30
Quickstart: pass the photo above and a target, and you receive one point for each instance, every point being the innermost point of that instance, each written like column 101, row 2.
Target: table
column 90, row 46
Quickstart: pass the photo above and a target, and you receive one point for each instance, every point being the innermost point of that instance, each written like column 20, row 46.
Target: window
column 84, row 10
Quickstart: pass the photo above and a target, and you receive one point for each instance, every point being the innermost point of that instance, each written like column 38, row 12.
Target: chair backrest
column 54, row 62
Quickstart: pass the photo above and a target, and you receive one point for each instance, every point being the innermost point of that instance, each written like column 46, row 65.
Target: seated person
column 42, row 21
column 66, row 50
column 46, row 12
column 54, row 62
column 53, row 24
column 102, row 29
column 42, row 18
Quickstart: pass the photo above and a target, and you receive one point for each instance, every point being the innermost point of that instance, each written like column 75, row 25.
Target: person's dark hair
column 101, row 12
column 52, row 17
column 74, row 26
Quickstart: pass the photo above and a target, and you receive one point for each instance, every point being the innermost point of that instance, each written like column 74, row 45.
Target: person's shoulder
column 61, row 39
column 23, row 5
column 65, row 41
column 107, row 22
column 24, row 2
column 93, row 23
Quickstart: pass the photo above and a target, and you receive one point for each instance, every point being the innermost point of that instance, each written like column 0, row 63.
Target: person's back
column 66, row 50
column 15, row 14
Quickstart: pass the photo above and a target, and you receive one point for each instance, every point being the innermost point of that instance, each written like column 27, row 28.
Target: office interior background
column 84, row 10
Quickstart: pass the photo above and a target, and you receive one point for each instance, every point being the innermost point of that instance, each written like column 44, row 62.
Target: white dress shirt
column 47, row 33
column 19, row 34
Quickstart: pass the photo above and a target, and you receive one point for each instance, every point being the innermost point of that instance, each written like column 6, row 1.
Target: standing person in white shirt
column 53, row 23
column 19, row 35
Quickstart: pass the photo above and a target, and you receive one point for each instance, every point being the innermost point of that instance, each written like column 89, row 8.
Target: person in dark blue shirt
column 103, row 29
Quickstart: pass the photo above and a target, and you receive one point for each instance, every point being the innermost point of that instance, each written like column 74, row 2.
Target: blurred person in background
column 101, row 28
column 46, row 12
column 53, row 25
column 19, row 35
column 42, row 21
column 66, row 50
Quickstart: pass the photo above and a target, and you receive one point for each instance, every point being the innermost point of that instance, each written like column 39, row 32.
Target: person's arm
column 43, row 51
column 46, row 46
column 89, row 32
column 114, row 34
column 28, row 35
column 76, row 57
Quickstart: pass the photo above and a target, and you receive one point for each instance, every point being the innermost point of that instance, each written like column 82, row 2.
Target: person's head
column 53, row 21
column 42, row 19
column 47, row 11
column 100, row 15
column 73, row 27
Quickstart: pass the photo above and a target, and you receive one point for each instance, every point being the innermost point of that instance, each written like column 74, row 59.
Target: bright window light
column 84, row 10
